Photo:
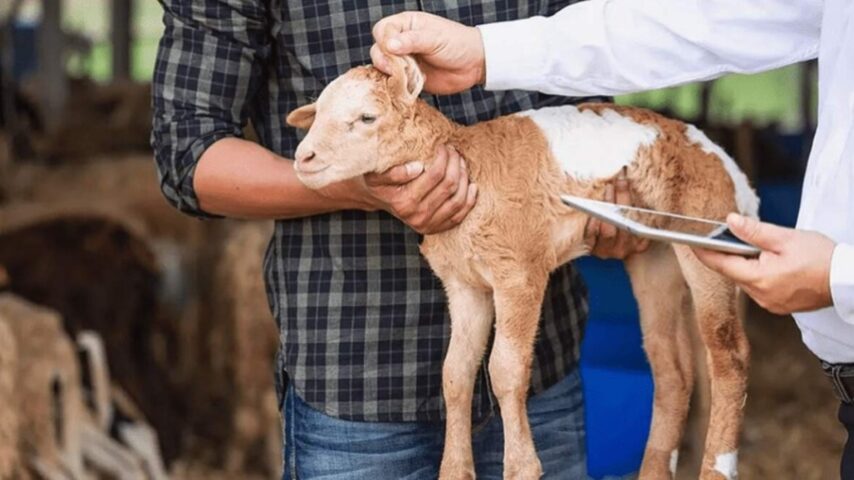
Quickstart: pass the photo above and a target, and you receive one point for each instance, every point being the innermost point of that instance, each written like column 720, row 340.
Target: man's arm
column 263, row 185
column 209, row 65
column 620, row 46
column 607, row 46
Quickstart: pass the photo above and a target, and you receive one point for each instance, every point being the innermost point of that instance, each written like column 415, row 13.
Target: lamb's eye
column 368, row 118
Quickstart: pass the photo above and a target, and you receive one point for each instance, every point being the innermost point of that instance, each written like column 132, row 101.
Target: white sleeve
column 608, row 47
column 842, row 281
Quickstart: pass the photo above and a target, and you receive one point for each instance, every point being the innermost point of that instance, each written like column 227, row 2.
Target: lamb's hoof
column 451, row 470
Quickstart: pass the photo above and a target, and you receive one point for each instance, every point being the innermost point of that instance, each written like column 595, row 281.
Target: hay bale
column 4, row 278
column 240, row 348
column 101, row 275
column 240, row 281
column 47, row 399
column 180, row 303
column 9, row 458
column 121, row 111
column 125, row 185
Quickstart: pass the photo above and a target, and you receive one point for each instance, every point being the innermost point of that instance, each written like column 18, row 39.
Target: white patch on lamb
column 588, row 145
column 674, row 461
column 727, row 465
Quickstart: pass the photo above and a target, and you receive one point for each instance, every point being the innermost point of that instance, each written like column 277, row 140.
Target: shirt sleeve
column 842, row 281
column 609, row 47
column 209, row 63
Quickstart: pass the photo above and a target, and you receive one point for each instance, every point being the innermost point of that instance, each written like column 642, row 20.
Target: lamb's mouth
column 300, row 168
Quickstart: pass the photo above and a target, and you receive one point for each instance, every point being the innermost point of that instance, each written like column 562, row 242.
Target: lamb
column 495, row 264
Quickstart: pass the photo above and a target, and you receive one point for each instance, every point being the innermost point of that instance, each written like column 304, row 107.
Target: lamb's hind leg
column 517, row 306
column 727, row 356
column 660, row 290
column 471, row 321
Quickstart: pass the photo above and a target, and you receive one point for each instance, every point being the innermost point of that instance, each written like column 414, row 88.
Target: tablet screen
column 674, row 223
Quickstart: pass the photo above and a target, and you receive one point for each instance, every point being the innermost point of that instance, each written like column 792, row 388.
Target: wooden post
column 52, row 62
column 705, row 103
column 10, row 114
column 120, row 37
column 807, row 107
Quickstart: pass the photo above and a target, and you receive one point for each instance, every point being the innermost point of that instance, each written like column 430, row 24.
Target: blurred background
column 137, row 343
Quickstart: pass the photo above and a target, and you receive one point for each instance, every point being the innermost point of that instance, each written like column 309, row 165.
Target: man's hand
column 450, row 54
column 606, row 240
column 429, row 200
column 792, row 274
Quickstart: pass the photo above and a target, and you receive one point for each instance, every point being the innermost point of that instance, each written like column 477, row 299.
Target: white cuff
column 516, row 53
column 842, row 281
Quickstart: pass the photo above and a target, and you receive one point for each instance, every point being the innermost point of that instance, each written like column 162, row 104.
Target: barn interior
column 140, row 340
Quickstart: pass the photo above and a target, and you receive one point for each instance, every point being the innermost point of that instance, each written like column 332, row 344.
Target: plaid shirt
column 363, row 320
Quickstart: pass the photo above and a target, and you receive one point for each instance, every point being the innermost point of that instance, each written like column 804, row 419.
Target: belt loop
column 835, row 371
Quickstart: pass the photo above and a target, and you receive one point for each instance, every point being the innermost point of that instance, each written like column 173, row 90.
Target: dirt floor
column 790, row 430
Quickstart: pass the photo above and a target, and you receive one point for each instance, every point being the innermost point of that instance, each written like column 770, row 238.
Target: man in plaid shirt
column 363, row 321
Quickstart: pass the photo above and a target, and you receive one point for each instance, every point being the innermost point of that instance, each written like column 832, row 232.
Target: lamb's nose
column 305, row 157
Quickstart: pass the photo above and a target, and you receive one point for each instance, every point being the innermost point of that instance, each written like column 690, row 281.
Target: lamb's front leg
column 518, row 308
column 471, row 321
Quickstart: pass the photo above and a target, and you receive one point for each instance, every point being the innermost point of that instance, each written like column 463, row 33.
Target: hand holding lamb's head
column 358, row 124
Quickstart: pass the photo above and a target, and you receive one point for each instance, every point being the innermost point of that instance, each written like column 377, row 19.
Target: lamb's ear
column 302, row 117
column 407, row 80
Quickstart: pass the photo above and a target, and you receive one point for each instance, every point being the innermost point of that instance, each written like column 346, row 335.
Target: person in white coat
column 610, row 47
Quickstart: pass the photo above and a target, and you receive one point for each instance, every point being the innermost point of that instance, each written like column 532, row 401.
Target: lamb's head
column 362, row 122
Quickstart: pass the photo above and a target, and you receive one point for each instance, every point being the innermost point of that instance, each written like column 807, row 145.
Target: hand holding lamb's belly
column 496, row 264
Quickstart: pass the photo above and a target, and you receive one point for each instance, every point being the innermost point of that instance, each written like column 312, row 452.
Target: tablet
column 667, row 227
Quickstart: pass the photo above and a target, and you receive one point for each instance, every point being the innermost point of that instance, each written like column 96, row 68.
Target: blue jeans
column 318, row 446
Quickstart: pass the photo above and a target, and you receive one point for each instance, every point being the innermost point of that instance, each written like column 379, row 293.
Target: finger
column 764, row 235
column 627, row 243
column 735, row 267
column 413, row 42
column 607, row 232
column 622, row 244
column 397, row 175
column 608, row 194
column 390, row 25
column 591, row 231
column 432, row 176
column 622, row 192
column 451, row 183
column 453, row 205
column 471, row 199
column 461, row 214
column 380, row 60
